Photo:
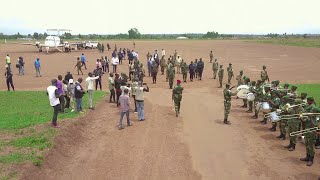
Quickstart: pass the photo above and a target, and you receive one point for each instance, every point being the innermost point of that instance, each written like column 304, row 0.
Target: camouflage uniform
column 293, row 124
column 215, row 67
column 195, row 68
column 220, row 74
column 154, row 72
column 283, row 122
column 167, row 71
column 227, row 102
column 184, row 71
column 171, row 75
column 264, row 75
column 177, row 97
column 258, row 98
column 211, row 57
column 162, row 64
column 230, row 73
column 251, row 90
column 266, row 98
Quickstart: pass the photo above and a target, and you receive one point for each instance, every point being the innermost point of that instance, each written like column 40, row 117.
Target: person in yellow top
column 8, row 61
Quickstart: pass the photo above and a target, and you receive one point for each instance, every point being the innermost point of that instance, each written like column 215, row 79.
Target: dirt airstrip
column 194, row 146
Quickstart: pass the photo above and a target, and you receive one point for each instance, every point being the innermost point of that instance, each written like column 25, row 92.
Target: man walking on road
column 89, row 85
column 37, row 67
column 83, row 61
column 124, row 101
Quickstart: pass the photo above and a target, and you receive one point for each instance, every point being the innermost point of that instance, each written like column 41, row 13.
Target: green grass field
column 312, row 90
column 23, row 138
column 308, row 42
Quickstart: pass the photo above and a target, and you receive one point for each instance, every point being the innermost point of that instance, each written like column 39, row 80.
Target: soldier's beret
column 310, row 99
column 297, row 101
column 304, row 94
column 286, row 85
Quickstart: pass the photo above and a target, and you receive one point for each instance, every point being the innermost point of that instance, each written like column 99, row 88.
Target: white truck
column 91, row 44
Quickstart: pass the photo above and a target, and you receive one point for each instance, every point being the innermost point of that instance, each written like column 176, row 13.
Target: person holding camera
column 140, row 99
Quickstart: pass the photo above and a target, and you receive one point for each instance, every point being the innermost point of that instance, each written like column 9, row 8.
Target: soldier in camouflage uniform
column 227, row 102
column 211, row 56
column 239, row 78
column 310, row 137
column 171, row 75
column 293, row 123
column 264, row 74
column 167, row 71
column 184, row 69
column 283, row 122
column 220, row 75
column 274, row 104
column 162, row 64
column 215, row 67
column 258, row 97
column 177, row 97
column 195, row 63
column 154, row 72
column 230, row 73
column 266, row 98
column 251, row 89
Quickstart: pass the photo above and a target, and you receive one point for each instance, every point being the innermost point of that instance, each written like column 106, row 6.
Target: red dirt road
column 194, row 146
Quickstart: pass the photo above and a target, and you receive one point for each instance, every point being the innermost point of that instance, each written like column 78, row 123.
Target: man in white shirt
column 115, row 62
column 89, row 85
column 178, row 62
column 163, row 53
column 53, row 94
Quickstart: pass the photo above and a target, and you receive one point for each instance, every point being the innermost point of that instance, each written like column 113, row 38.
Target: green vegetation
column 23, row 109
column 312, row 90
column 22, row 113
column 303, row 42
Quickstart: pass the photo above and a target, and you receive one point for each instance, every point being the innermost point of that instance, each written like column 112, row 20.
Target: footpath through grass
column 24, row 127
column 307, row 42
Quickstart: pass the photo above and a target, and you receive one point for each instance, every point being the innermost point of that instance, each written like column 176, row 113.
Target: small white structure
column 182, row 37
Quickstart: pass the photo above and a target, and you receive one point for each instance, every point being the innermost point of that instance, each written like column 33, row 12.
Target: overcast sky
column 161, row 16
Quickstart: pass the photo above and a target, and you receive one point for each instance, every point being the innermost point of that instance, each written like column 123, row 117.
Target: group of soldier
column 296, row 113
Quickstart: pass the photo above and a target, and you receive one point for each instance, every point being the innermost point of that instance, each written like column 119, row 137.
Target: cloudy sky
column 161, row 16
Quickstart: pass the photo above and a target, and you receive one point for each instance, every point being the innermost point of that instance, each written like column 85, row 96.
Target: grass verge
column 22, row 137
column 311, row 89
column 307, row 42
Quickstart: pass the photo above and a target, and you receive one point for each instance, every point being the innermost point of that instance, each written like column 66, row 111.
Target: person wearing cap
column 8, row 61
column 230, row 73
column 89, row 85
column 211, row 56
column 264, row 74
column 177, row 96
column 283, row 122
column 215, row 67
column 293, row 123
column 252, row 85
column 239, row 78
column 200, row 67
column 266, row 98
column 52, row 92
column 191, row 71
column 171, row 75
column 178, row 64
column 184, row 70
column 258, row 91
column 70, row 93
column 310, row 137
column 220, row 75
column 293, row 93
column 37, row 66
column 227, row 93
column 275, row 103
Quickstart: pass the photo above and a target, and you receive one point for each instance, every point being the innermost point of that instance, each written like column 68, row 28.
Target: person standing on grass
column 140, row 100
column 37, row 66
column 111, row 88
column 124, row 101
column 8, row 74
column 70, row 93
column 78, row 94
column 21, row 66
column 52, row 92
column 65, row 90
column 61, row 93
column 83, row 61
column 89, row 85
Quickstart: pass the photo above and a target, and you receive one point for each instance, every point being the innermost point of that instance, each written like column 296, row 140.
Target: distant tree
column 79, row 36
column 211, row 35
column 134, row 33
column 35, row 35
column 305, row 36
column 67, row 35
column 29, row 36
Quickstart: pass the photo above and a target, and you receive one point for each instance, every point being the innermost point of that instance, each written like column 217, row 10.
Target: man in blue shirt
column 83, row 61
column 37, row 67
